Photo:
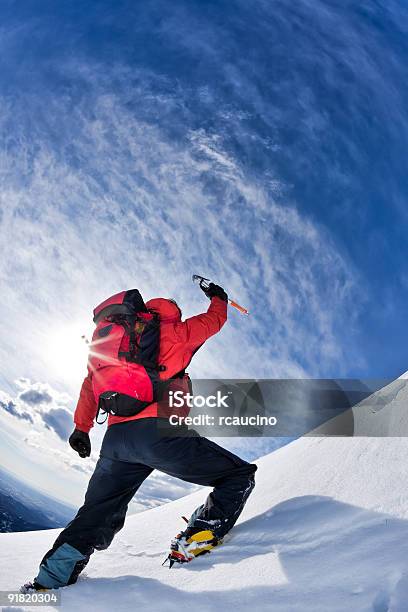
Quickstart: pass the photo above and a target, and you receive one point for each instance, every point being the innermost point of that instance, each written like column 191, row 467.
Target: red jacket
column 179, row 340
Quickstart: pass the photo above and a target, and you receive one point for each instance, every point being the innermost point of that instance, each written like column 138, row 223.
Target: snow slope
column 325, row 530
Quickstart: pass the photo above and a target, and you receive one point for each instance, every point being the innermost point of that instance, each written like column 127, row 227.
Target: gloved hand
column 80, row 442
column 215, row 291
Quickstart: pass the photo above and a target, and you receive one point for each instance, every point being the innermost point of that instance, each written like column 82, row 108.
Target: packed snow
column 326, row 530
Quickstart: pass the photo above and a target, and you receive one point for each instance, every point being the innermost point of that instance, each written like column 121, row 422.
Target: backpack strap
column 133, row 346
column 133, row 355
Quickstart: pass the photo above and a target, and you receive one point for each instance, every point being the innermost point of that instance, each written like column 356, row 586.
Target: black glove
column 215, row 291
column 80, row 442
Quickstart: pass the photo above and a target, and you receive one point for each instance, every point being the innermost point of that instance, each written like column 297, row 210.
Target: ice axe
column 205, row 283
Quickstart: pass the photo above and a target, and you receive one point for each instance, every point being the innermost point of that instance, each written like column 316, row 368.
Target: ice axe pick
column 205, row 283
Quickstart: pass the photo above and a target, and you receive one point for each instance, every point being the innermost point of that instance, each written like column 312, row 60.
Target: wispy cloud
column 109, row 201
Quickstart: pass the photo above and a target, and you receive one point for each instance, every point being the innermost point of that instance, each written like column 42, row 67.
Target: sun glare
column 67, row 352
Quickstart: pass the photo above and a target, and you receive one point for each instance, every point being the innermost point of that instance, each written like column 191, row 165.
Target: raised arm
column 199, row 328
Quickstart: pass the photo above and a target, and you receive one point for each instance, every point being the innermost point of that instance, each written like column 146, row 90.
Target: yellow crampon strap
column 205, row 541
column 201, row 536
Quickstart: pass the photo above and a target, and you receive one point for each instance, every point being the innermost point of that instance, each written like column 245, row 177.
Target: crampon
column 185, row 547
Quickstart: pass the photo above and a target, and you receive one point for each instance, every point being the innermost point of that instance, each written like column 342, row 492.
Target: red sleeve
column 201, row 327
column 87, row 408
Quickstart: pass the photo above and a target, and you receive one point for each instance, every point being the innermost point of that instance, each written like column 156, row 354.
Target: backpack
column 123, row 355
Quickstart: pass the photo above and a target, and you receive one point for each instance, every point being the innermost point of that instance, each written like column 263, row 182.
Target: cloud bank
column 41, row 405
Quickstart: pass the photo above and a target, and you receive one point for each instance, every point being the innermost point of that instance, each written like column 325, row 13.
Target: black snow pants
column 130, row 452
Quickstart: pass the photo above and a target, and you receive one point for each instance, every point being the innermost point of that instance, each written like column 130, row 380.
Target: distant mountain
column 22, row 508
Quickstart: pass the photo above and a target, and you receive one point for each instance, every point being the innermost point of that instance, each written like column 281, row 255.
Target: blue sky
column 261, row 144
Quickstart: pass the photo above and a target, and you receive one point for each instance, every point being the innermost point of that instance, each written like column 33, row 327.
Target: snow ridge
column 325, row 530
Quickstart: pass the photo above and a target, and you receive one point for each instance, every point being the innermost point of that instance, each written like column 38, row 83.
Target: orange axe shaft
column 238, row 307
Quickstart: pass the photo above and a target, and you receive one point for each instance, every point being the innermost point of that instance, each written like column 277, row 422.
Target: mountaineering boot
column 184, row 550
column 32, row 587
column 199, row 537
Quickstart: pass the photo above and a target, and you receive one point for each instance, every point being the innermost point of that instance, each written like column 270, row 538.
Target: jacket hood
column 167, row 309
